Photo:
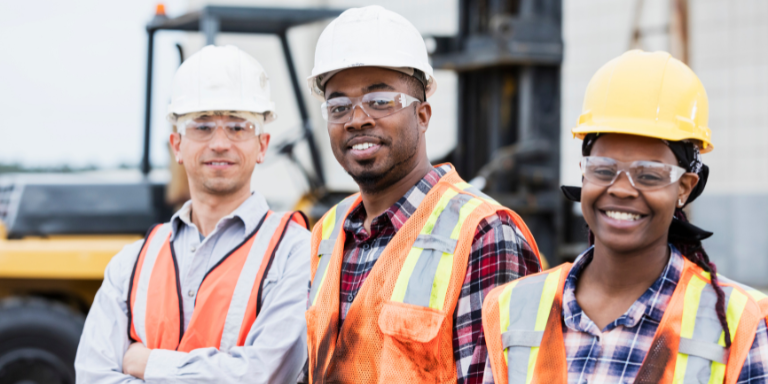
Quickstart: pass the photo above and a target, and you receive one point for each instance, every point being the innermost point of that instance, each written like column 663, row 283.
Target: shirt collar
column 402, row 210
column 652, row 303
column 250, row 212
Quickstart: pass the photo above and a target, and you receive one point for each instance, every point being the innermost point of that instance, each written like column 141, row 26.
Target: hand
column 135, row 360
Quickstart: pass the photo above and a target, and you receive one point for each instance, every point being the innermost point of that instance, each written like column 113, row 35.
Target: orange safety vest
column 399, row 327
column 227, row 302
column 522, row 321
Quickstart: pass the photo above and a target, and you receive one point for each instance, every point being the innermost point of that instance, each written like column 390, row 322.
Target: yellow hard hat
column 646, row 94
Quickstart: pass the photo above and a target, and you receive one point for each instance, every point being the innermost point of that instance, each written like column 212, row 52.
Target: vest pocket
column 410, row 349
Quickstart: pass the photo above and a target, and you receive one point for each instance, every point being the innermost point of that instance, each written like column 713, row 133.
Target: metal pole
column 314, row 152
column 209, row 25
column 145, row 165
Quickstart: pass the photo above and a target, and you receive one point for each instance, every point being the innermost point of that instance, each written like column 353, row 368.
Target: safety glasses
column 236, row 129
column 340, row 110
column 643, row 175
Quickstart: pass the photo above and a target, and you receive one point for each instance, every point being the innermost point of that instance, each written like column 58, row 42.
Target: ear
column 175, row 140
column 423, row 115
column 263, row 146
column 687, row 183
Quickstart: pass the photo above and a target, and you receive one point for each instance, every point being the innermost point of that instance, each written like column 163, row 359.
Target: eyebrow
column 378, row 86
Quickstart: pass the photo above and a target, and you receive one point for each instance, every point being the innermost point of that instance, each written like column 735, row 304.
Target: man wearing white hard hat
column 218, row 294
column 400, row 270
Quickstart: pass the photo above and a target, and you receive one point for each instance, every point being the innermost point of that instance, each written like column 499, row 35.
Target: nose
column 622, row 187
column 219, row 141
column 359, row 119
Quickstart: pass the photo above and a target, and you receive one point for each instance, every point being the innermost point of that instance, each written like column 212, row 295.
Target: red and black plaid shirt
column 499, row 254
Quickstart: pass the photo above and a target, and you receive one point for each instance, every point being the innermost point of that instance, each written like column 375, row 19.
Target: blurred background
column 84, row 160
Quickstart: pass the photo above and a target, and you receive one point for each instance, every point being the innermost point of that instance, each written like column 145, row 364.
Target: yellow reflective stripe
column 322, row 280
column 445, row 266
column 440, row 284
column 532, row 363
column 329, row 223
column 736, row 304
column 690, row 308
column 504, row 297
column 439, row 208
column 547, row 297
column 405, row 274
column 467, row 209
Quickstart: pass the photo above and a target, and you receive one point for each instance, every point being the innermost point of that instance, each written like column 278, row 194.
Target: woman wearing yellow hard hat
column 642, row 303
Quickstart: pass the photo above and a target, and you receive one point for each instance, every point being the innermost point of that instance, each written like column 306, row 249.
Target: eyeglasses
column 375, row 104
column 236, row 130
column 643, row 175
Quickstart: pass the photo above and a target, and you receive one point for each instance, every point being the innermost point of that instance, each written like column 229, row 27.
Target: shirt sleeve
column 755, row 369
column 276, row 347
column 500, row 253
column 104, row 340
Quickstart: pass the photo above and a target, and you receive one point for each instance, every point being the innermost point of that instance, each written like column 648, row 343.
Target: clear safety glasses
column 643, row 175
column 236, row 129
column 375, row 104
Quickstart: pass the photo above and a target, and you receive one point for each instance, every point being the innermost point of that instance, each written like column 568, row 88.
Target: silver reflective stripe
column 477, row 192
column 523, row 309
column 246, row 281
column 139, row 310
column 327, row 245
column 521, row 339
column 709, row 351
column 324, row 261
column 703, row 348
column 438, row 243
column 421, row 280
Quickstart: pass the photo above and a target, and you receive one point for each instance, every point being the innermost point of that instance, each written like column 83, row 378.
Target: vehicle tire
column 38, row 341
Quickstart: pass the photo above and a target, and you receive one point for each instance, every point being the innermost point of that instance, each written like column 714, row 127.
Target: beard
column 396, row 166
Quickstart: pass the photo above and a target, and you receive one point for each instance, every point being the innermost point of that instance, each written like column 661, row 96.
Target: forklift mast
column 508, row 55
column 211, row 20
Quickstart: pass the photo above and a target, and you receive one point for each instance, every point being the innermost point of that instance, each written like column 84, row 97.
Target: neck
column 375, row 203
column 208, row 209
column 622, row 272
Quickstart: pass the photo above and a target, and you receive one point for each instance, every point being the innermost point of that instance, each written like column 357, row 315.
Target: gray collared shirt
column 275, row 348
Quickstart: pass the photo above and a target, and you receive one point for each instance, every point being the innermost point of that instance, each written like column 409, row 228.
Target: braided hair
column 682, row 234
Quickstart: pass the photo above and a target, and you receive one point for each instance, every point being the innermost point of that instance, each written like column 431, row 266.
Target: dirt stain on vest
column 657, row 359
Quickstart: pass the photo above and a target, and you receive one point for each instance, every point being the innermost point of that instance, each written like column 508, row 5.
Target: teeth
column 362, row 146
column 625, row 216
column 219, row 163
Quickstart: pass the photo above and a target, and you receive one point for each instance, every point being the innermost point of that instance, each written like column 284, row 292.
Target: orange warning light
column 160, row 9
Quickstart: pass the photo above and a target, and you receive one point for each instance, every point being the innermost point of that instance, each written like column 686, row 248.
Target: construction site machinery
column 507, row 56
column 59, row 231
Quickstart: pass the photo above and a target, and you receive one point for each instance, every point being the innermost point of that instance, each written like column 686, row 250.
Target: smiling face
column 377, row 152
column 219, row 166
column 622, row 218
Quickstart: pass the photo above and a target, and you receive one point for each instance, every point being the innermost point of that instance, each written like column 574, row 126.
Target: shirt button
column 191, row 293
column 192, row 248
column 366, row 246
column 350, row 298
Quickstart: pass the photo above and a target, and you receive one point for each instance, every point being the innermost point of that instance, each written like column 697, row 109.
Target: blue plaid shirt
column 615, row 354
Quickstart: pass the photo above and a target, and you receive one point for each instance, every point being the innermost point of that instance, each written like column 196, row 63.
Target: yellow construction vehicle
column 58, row 232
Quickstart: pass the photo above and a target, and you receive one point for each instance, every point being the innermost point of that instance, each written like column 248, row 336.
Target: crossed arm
column 274, row 351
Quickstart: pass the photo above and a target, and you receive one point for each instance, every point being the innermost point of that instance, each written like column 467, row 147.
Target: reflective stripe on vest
column 398, row 326
column 522, row 319
column 701, row 355
column 332, row 224
column 228, row 298
column 424, row 277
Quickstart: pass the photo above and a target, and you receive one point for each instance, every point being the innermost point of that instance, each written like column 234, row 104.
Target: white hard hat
column 370, row 37
column 221, row 79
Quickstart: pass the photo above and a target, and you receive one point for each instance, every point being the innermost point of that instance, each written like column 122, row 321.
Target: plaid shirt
column 499, row 254
column 615, row 354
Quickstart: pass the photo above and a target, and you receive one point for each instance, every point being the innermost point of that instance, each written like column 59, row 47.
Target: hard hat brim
column 643, row 129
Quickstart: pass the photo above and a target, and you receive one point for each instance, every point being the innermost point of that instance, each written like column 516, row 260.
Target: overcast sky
column 72, row 75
